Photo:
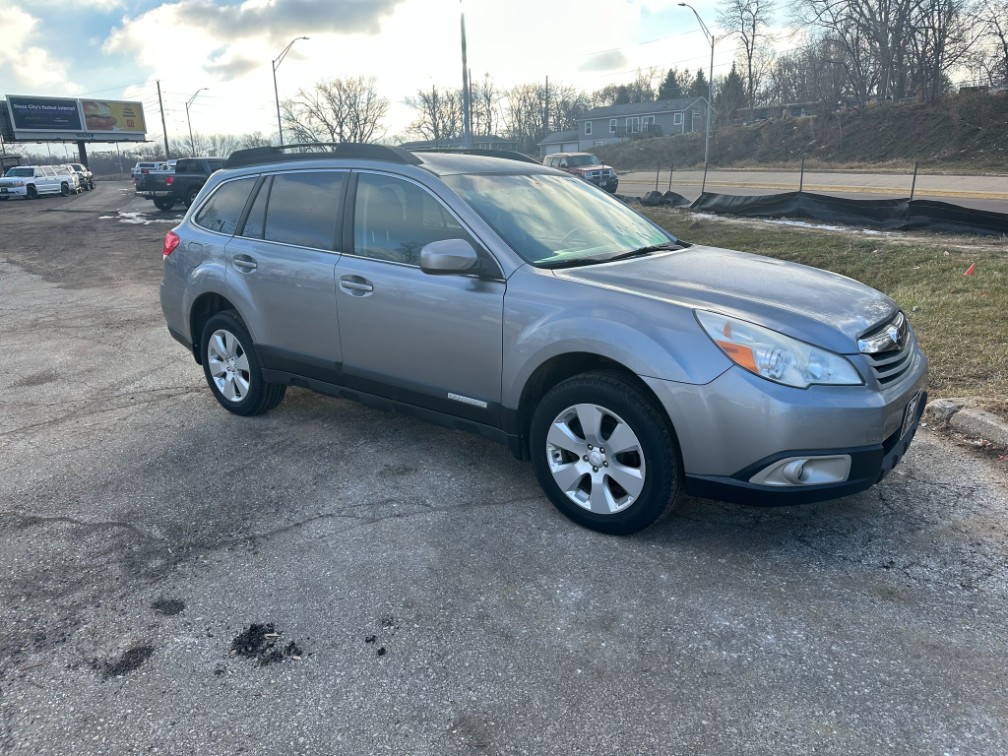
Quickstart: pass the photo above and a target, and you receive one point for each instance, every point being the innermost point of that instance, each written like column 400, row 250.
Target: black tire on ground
column 65, row 189
column 164, row 204
column 582, row 478
column 232, row 369
column 191, row 197
column 32, row 193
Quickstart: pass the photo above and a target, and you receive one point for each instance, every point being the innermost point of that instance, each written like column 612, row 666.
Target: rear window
column 223, row 210
column 301, row 207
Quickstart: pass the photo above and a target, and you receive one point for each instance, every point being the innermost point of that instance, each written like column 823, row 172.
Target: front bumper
column 13, row 191
column 740, row 433
column 869, row 465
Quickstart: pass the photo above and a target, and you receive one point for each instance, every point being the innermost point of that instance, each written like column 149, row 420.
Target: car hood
column 596, row 167
column 815, row 306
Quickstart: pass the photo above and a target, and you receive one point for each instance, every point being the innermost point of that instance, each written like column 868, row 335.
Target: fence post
column 801, row 178
column 913, row 185
column 657, row 176
column 671, row 168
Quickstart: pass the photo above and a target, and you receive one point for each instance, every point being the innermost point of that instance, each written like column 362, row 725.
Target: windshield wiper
column 641, row 251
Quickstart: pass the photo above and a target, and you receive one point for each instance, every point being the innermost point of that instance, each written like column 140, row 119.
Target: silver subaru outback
column 518, row 302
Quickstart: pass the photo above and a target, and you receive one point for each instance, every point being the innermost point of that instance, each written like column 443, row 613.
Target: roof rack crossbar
column 319, row 151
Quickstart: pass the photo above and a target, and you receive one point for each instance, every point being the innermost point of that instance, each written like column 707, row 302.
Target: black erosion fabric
column 887, row 214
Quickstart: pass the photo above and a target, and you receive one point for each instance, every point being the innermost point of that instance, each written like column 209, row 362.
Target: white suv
column 32, row 181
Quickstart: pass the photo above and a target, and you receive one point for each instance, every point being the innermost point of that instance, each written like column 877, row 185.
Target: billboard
column 66, row 119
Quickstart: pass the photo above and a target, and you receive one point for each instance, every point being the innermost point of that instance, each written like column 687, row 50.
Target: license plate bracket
column 910, row 413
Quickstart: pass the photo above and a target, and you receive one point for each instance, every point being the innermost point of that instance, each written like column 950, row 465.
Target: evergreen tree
column 671, row 87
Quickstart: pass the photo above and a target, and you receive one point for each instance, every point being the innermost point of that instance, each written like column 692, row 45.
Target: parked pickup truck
column 167, row 187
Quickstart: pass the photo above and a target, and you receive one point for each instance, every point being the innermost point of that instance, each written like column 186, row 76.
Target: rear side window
column 221, row 212
column 302, row 208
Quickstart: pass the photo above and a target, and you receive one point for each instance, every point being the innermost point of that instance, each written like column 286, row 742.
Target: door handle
column 356, row 285
column 244, row 263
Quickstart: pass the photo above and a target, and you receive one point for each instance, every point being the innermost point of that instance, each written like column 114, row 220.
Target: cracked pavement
column 441, row 604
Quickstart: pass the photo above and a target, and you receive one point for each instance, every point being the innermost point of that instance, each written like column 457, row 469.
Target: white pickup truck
column 32, row 181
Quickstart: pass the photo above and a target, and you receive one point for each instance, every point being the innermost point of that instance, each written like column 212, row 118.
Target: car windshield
column 577, row 160
column 21, row 172
column 555, row 221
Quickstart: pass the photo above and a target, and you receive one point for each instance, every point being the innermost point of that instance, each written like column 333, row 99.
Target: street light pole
column 710, row 91
column 276, row 64
column 192, row 142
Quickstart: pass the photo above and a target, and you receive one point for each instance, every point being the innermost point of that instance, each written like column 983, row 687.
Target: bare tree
column 523, row 115
column 566, row 105
column 993, row 15
column 750, row 20
column 485, row 106
column 340, row 110
column 439, row 114
column 945, row 34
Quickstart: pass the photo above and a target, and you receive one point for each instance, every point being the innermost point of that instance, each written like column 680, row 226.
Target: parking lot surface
column 329, row 578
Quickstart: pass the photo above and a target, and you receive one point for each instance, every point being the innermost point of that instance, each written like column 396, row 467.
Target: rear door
column 433, row 341
column 283, row 262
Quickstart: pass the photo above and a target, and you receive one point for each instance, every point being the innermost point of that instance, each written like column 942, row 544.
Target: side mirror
column 448, row 256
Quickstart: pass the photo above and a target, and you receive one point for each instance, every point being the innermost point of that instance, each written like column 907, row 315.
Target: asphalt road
column 428, row 598
column 981, row 192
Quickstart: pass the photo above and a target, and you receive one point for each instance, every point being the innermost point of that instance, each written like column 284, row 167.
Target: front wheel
column 232, row 370
column 605, row 454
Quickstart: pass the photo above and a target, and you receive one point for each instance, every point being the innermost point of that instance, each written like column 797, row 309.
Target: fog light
column 804, row 471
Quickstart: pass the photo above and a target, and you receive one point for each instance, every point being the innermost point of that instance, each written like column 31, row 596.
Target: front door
column 428, row 340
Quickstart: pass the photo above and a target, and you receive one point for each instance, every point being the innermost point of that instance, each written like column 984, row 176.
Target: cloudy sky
column 119, row 49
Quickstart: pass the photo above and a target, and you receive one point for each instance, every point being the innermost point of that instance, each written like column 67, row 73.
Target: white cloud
column 33, row 69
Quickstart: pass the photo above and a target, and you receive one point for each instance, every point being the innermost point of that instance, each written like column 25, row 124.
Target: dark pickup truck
column 169, row 187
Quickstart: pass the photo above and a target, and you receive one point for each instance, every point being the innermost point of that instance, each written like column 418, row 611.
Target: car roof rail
column 507, row 154
column 320, row 151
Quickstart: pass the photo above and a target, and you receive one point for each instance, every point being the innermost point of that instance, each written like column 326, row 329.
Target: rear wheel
column 65, row 189
column 164, row 204
column 605, row 454
column 232, row 370
column 191, row 197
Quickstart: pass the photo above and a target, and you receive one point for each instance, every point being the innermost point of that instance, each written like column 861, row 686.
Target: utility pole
column 466, row 101
column 546, row 111
column 164, row 129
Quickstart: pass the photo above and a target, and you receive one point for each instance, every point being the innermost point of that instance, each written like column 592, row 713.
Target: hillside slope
column 963, row 134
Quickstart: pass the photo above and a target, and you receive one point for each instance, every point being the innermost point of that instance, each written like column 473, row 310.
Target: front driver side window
column 394, row 219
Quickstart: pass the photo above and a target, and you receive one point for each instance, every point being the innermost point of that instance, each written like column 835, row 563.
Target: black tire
column 232, row 369
column 164, row 204
column 592, row 494
column 191, row 197
column 31, row 193
column 65, row 189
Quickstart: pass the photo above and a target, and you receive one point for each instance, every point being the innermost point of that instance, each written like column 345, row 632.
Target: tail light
column 169, row 180
column 171, row 242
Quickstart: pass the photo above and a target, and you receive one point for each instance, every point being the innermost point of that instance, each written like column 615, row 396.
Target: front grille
column 890, row 366
column 896, row 343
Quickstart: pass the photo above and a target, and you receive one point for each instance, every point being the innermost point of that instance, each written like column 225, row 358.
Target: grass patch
column 960, row 320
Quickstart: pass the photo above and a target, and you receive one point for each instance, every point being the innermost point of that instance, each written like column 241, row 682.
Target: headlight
column 777, row 357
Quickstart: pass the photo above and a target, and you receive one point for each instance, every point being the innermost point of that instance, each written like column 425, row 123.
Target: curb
column 970, row 421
